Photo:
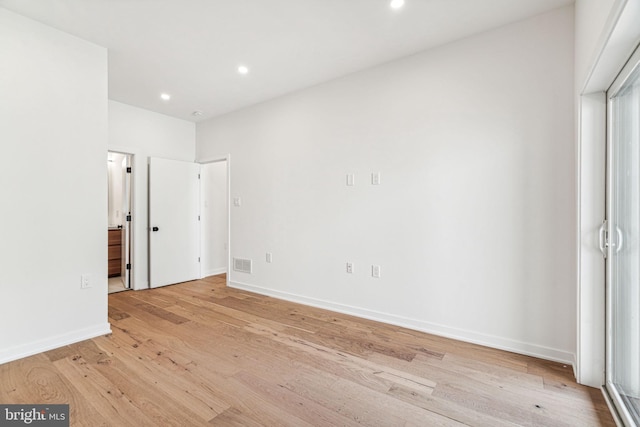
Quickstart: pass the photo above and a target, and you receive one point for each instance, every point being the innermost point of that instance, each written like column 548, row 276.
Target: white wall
column 474, row 222
column 54, row 224
column 146, row 134
column 214, row 218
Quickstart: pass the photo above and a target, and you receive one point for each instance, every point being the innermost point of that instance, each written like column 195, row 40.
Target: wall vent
column 242, row 265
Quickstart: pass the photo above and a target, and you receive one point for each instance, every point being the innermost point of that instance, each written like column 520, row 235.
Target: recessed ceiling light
column 242, row 69
column 165, row 96
column 396, row 4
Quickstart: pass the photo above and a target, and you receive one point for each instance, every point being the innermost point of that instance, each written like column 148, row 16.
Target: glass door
column 623, row 237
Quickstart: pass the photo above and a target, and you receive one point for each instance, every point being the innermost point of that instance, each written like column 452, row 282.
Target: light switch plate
column 375, row 178
column 85, row 281
column 375, row 271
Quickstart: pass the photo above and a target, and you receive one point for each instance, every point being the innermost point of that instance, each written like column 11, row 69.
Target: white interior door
column 174, row 226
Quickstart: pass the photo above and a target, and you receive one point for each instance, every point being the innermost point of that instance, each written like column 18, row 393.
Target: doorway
column 120, row 216
column 214, row 207
column 623, row 244
column 188, row 220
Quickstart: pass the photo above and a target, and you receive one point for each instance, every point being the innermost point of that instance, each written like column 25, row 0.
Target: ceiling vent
column 242, row 265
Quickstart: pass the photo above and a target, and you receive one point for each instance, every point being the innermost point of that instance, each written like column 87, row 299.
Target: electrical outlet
column 375, row 271
column 85, row 281
column 350, row 179
column 269, row 257
column 350, row 267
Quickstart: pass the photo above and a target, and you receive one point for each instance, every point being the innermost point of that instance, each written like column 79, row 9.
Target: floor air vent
column 242, row 265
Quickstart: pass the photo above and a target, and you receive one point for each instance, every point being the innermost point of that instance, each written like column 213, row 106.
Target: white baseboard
column 214, row 272
column 50, row 343
column 500, row 343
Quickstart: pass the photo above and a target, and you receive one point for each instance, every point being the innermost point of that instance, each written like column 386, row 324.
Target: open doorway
column 215, row 217
column 120, row 216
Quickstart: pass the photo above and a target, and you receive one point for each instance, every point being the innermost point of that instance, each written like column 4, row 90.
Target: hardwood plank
column 160, row 312
column 57, row 353
column 364, row 405
column 525, row 405
column 176, row 379
column 115, row 314
column 204, row 313
column 300, row 406
column 107, row 399
column 199, row 353
column 158, row 403
column 233, row 417
column 155, row 298
column 337, row 356
column 35, row 380
column 186, row 351
column 446, row 408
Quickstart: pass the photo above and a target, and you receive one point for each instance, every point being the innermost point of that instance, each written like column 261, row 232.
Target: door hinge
column 198, row 217
column 198, row 176
column 198, row 259
column 128, row 217
column 128, row 266
column 128, row 169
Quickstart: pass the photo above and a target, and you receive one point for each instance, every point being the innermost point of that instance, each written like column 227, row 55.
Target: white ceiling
column 191, row 48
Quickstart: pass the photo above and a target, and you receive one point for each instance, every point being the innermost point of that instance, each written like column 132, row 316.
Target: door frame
column 617, row 41
column 616, row 400
column 127, row 231
column 217, row 159
column 132, row 157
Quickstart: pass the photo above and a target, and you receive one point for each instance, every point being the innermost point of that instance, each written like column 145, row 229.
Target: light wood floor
column 199, row 353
